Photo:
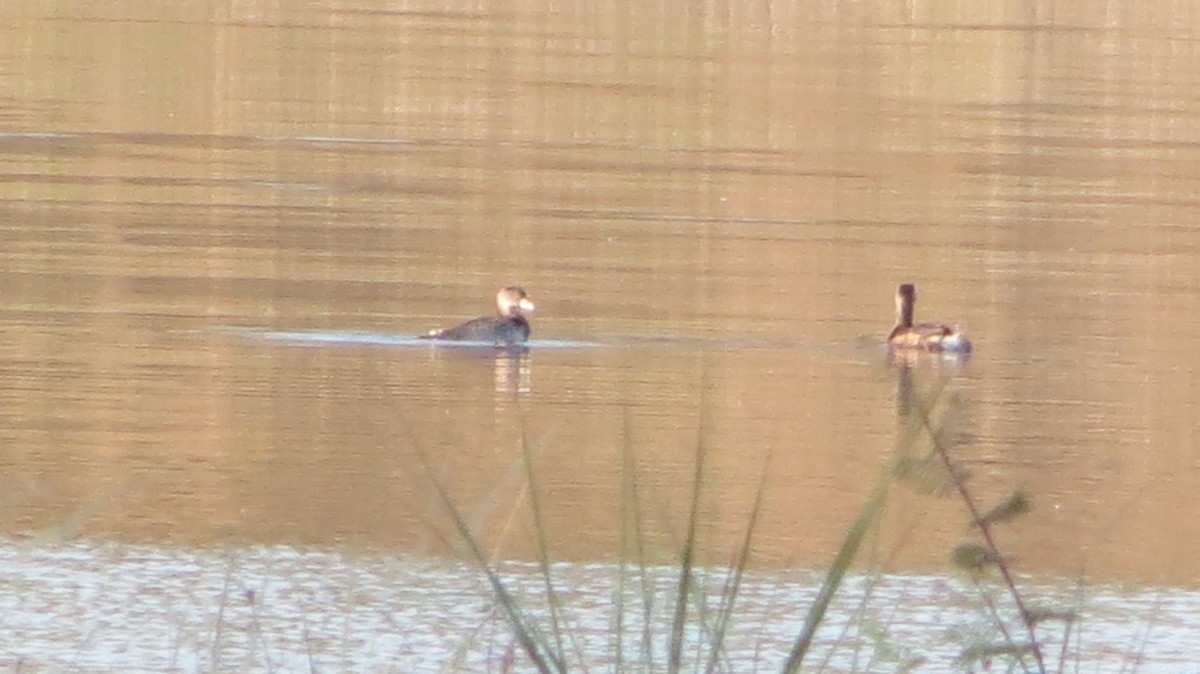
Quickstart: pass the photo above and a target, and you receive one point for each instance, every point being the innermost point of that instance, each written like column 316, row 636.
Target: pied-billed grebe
column 508, row 327
column 922, row 336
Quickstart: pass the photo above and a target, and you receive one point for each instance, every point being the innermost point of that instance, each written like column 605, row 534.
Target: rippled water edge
column 91, row 607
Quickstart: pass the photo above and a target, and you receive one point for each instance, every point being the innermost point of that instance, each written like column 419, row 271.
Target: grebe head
column 513, row 301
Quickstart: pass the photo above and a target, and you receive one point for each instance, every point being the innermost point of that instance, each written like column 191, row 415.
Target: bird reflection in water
column 512, row 370
column 932, row 424
column 930, row 411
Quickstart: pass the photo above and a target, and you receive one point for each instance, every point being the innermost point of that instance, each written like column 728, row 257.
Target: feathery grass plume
column 1014, row 506
column 987, row 553
column 975, row 558
column 982, row 653
column 1041, row 615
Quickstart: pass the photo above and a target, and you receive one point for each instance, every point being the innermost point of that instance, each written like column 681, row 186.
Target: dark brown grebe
column 508, row 327
column 922, row 336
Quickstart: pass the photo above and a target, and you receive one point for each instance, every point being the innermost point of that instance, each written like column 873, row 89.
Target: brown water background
column 215, row 216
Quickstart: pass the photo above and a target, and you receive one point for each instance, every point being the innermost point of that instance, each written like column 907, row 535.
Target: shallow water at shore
column 88, row 607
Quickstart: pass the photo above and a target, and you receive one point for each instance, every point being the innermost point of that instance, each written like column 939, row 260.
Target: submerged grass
column 549, row 650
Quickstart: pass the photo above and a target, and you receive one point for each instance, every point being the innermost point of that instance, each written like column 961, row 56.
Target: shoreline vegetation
column 1014, row 632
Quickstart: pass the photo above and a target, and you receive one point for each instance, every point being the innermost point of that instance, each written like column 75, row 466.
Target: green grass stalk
column 866, row 519
column 733, row 583
column 631, row 517
column 544, row 657
column 543, row 551
column 686, row 570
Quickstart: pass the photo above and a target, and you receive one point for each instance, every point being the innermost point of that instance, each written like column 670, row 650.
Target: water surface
column 223, row 226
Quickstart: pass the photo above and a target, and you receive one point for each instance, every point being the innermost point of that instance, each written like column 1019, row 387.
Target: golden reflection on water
column 721, row 201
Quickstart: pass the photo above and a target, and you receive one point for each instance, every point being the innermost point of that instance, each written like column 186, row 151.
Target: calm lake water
column 223, row 224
